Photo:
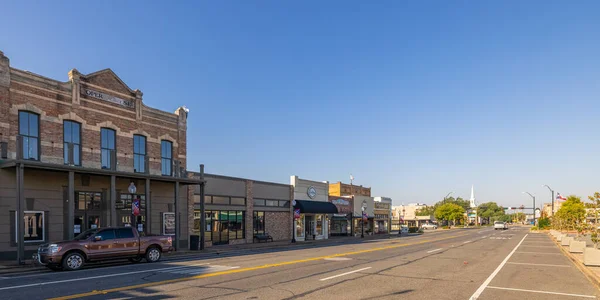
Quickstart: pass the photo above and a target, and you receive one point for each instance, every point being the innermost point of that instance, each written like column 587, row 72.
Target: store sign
column 379, row 205
column 311, row 192
column 168, row 223
column 109, row 98
column 344, row 205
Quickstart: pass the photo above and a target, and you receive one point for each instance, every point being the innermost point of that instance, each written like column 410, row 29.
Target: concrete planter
column 559, row 237
column 591, row 257
column 566, row 241
column 577, row 246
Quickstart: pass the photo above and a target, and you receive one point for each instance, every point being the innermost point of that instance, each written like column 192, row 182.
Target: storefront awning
column 315, row 207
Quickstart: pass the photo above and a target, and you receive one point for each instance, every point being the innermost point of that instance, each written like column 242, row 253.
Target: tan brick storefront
column 237, row 209
column 69, row 151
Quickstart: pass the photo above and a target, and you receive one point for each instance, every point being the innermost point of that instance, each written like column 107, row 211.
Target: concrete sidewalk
column 11, row 267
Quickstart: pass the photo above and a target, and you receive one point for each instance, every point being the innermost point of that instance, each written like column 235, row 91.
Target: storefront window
column 319, row 225
column 34, row 226
column 222, row 225
column 300, row 226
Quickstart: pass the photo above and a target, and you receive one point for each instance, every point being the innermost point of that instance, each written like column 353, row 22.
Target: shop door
column 88, row 211
column 221, row 235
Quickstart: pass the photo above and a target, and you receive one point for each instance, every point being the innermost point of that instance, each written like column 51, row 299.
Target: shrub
column 413, row 229
column 543, row 223
column 534, row 228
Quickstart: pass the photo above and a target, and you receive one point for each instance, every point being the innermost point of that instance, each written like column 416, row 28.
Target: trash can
column 194, row 241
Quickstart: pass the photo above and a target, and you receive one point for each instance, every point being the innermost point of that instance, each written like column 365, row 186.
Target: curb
column 589, row 274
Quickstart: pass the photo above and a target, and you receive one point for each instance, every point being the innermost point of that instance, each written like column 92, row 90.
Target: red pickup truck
column 103, row 244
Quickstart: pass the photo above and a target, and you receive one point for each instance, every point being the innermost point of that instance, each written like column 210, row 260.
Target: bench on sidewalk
column 263, row 237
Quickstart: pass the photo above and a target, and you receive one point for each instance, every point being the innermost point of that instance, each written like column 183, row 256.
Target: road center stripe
column 343, row 274
column 434, row 250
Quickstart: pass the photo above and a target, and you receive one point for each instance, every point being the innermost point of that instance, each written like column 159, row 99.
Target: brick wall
column 278, row 225
column 56, row 101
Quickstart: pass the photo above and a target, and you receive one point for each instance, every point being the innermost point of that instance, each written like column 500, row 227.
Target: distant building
column 407, row 215
column 343, row 189
column 383, row 214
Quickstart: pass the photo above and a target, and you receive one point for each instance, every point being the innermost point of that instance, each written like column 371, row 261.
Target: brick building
column 238, row 209
column 343, row 189
column 71, row 151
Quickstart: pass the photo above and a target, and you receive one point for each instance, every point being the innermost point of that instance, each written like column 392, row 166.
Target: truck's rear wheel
column 153, row 254
column 73, row 261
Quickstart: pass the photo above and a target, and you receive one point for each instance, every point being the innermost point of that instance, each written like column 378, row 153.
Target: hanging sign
column 297, row 213
column 135, row 207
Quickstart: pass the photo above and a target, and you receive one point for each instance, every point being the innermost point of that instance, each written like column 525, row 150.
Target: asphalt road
column 456, row 264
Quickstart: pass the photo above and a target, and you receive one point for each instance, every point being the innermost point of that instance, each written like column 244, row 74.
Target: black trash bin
column 194, row 241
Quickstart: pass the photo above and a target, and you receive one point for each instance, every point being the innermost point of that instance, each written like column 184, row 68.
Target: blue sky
column 414, row 99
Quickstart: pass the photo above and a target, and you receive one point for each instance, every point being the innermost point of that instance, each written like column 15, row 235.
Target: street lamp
column 552, row 197
column 363, row 208
column 533, row 197
column 447, row 196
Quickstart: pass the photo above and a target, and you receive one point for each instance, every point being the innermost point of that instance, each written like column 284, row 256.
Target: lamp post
column 533, row 197
column 293, row 221
column 132, row 189
column 363, row 208
column 551, row 190
column 447, row 196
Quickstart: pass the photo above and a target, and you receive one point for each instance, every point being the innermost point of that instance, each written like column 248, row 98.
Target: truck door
column 127, row 242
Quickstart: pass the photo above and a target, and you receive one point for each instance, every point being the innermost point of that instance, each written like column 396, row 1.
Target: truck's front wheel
column 73, row 261
column 153, row 254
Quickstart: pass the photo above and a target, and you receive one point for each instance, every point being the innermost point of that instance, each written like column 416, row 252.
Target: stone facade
column 278, row 225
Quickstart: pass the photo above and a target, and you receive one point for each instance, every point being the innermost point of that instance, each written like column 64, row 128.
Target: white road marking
column 466, row 242
column 489, row 279
column 343, row 274
column 541, row 292
column 537, row 246
column 539, row 253
column 543, row 265
column 434, row 250
column 338, row 258
column 94, row 277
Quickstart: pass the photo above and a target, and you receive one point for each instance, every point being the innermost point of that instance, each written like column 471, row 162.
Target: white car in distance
column 500, row 225
column 428, row 226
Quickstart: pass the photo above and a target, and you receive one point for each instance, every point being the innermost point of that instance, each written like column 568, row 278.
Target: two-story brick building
column 83, row 153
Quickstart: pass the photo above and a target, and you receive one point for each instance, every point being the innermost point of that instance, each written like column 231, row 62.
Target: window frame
column 136, row 156
column 79, row 144
column 254, row 222
column 43, row 240
column 108, row 149
column 170, row 159
column 39, row 142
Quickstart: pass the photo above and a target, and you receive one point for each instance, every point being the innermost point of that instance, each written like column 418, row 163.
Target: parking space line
column 489, row 279
column 343, row 274
column 539, row 253
column 543, row 265
column 540, row 292
column 538, row 246
column 466, row 242
column 434, row 250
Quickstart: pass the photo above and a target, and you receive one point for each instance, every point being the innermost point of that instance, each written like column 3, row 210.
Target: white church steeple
column 472, row 199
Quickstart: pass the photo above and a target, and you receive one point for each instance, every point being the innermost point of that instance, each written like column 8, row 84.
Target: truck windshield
column 86, row 234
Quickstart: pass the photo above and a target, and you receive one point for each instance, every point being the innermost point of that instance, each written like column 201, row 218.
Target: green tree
column 594, row 205
column 571, row 213
column 425, row 211
column 449, row 212
column 490, row 211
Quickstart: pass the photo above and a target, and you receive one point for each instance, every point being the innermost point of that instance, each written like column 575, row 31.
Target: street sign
column 297, row 213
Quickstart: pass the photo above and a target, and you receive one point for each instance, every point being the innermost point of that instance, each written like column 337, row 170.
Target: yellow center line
column 286, row 263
